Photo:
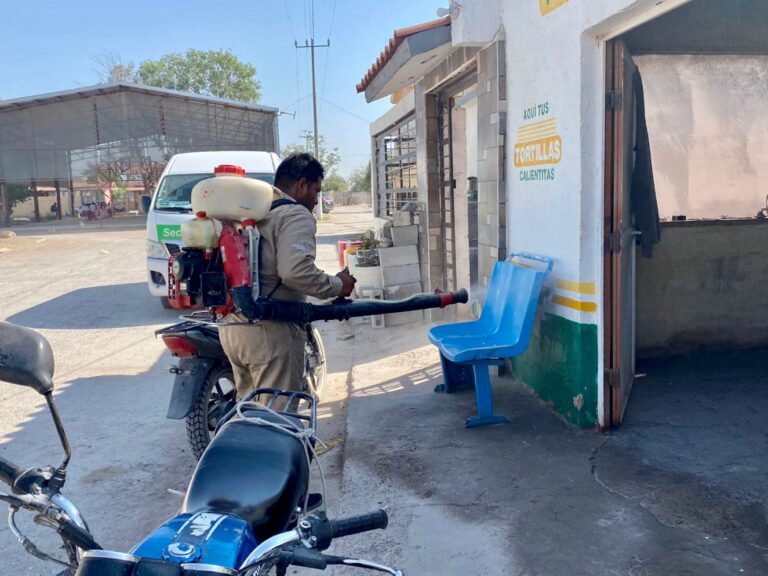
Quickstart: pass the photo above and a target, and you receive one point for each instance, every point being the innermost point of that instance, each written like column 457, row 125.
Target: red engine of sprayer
column 230, row 259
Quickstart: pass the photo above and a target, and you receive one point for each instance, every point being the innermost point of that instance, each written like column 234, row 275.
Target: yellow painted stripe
column 552, row 128
column 578, row 287
column 575, row 304
column 551, row 123
column 542, row 130
column 538, row 138
column 547, row 6
column 533, row 130
column 521, row 264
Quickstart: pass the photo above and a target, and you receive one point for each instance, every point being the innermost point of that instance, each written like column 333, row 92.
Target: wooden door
column 619, row 241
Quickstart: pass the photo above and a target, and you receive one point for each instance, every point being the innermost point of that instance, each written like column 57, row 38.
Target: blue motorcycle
column 247, row 510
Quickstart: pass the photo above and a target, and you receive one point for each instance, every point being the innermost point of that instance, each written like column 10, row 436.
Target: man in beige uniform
column 271, row 354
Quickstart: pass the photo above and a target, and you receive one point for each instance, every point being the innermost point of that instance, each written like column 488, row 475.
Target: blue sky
column 49, row 45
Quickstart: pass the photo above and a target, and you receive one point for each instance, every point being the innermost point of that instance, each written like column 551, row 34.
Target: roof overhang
column 407, row 59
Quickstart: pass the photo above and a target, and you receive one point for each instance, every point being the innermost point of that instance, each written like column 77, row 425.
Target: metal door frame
column 445, row 106
column 612, row 211
column 619, row 241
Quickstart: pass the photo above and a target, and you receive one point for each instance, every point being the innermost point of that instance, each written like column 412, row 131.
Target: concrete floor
column 679, row 489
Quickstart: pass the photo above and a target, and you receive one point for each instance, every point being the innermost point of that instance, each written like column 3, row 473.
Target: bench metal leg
column 455, row 376
column 484, row 399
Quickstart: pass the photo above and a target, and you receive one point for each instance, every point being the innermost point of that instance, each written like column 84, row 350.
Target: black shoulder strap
column 281, row 202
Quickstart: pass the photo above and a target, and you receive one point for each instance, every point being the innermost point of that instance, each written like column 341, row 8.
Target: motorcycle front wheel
column 215, row 399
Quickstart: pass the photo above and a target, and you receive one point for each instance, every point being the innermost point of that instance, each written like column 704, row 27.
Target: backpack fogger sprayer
column 218, row 268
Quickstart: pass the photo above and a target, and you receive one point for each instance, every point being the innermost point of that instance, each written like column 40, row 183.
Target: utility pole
column 307, row 135
column 311, row 45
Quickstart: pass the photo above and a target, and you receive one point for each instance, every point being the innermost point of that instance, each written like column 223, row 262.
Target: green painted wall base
column 560, row 365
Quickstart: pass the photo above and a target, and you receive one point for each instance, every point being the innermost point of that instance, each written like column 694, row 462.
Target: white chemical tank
column 202, row 232
column 229, row 195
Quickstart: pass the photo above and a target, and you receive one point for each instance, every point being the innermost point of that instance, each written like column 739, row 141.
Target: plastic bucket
column 342, row 248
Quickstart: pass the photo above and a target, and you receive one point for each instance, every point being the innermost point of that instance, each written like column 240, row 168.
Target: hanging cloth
column 643, row 191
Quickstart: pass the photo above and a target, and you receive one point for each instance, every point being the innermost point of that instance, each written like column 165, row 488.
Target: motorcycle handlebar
column 356, row 524
column 9, row 472
column 78, row 536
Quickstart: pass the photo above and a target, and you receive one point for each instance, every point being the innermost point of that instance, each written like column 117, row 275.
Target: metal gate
column 447, row 191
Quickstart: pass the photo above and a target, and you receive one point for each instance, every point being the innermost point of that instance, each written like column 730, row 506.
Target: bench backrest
column 510, row 304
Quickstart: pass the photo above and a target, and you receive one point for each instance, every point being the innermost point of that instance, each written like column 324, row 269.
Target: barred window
column 396, row 166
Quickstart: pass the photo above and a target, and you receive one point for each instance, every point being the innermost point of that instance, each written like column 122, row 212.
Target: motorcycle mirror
column 146, row 201
column 26, row 358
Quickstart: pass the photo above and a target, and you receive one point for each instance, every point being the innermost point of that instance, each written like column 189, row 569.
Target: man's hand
column 347, row 282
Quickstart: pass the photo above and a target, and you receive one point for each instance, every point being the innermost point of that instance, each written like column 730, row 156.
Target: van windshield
column 175, row 191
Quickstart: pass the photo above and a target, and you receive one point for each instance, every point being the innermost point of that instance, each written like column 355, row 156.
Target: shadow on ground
column 114, row 306
column 126, row 455
column 121, row 223
column 679, row 489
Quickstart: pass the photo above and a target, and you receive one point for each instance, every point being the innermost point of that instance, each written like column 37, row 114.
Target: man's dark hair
column 297, row 166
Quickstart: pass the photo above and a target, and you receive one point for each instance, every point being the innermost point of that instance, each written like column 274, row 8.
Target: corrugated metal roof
column 97, row 89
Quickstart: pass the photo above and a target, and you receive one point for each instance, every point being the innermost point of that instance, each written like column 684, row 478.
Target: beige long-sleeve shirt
column 287, row 255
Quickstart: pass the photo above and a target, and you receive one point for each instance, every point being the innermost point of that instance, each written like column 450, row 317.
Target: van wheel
column 216, row 398
column 165, row 304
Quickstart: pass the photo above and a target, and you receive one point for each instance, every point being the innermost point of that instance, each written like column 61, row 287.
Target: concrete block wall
column 491, row 140
column 399, row 292
column 405, row 235
column 401, row 275
column 703, row 288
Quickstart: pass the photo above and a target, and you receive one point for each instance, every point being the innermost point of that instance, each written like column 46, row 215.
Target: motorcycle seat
column 253, row 472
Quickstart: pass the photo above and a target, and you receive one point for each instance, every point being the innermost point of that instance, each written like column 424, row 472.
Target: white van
column 171, row 204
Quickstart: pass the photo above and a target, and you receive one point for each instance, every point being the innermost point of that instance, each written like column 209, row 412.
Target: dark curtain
column 643, row 191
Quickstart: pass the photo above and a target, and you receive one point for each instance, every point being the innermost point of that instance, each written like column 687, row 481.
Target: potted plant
column 365, row 265
column 368, row 252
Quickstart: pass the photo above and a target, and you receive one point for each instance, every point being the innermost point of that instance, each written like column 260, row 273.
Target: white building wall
column 555, row 53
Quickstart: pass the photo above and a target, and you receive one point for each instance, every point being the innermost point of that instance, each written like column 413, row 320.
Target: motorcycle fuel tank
column 204, row 538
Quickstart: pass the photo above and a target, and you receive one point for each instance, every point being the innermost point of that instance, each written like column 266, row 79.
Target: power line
column 333, row 18
column 295, row 59
column 312, row 21
column 297, row 101
column 346, row 111
column 327, row 53
column 290, row 22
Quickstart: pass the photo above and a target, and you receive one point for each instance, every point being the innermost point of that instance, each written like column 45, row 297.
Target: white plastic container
column 202, row 232
column 229, row 195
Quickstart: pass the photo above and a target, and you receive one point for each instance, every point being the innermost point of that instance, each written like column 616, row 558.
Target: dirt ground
column 84, row 287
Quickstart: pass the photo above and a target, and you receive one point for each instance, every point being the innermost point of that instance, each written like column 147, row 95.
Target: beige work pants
column 264, row 355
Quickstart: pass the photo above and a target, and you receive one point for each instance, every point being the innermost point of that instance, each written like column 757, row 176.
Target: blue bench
column 503, row 330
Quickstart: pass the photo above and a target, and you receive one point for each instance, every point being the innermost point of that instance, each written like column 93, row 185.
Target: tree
column 112, row 69
column 214, row 73
column 335, row 183
column 329, row 160
column 360, row 179
column 17, row 193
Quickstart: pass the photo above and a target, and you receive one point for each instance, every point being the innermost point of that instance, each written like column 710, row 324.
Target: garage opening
column 687, row 316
